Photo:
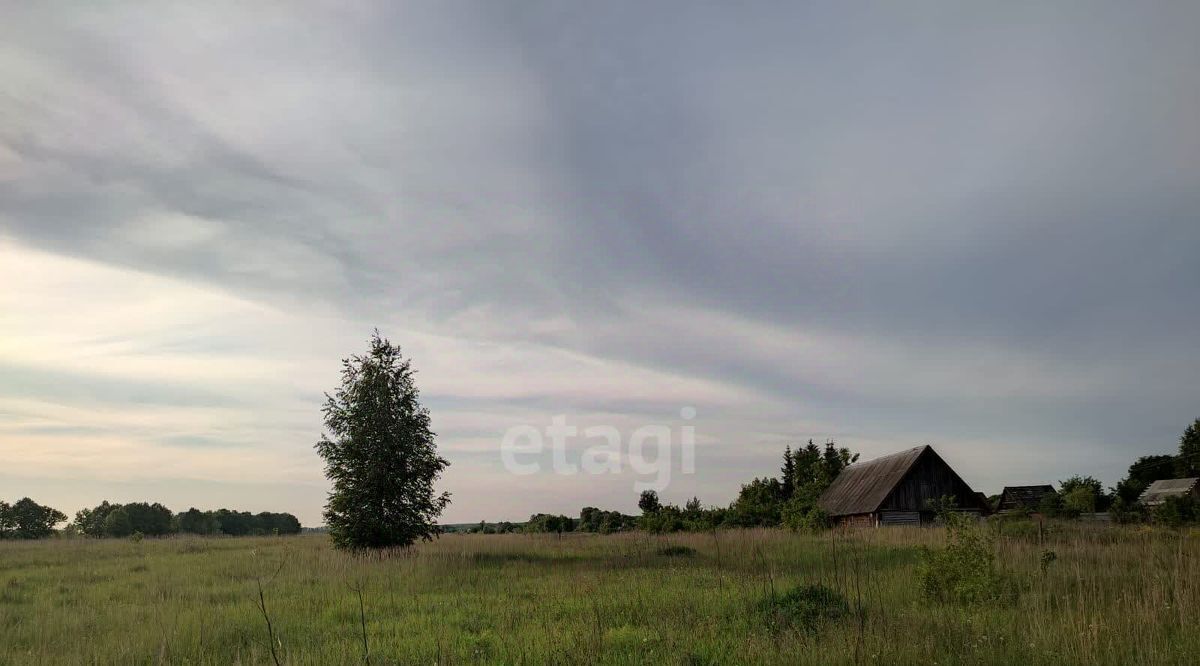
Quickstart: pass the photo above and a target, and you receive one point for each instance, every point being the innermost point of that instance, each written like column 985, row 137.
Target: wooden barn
column 1159, row 491
column 1022, row 498
column 897, row 489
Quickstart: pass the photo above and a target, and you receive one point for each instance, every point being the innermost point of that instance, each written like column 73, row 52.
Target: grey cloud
column 930, row 179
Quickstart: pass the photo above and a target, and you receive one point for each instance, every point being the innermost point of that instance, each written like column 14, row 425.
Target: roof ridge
column 889, row 455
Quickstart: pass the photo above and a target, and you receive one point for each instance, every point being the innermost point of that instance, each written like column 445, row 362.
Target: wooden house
column 1159, row 491
column 1022, row 498
column 897, row 489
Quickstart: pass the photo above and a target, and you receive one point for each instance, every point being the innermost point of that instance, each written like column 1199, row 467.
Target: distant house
column 1159, row 491
column 1022, row 498
column 897, row 489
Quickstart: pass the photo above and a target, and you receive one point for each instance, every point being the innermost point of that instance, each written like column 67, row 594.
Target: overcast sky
column 975, row 227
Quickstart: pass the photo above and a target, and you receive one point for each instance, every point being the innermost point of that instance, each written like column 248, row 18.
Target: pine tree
column 807, row 462
column 1188, row 463
column 380, row 455
column 788, row 473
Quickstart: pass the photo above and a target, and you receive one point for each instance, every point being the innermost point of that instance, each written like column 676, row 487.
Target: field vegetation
column 1068, row 593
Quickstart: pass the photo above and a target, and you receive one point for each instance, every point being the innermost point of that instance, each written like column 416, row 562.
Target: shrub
column 806, row 608
column 1175, row 511
column 1080, row 500
column 965, row 570
column 1047, row 558
column 801, row 518
column 666, row 519
column 1051, row 505
column 1127, row 512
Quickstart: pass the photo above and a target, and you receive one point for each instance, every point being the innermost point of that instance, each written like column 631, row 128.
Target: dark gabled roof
column 1160, row 490
column 1028, row 497
column 862, row 487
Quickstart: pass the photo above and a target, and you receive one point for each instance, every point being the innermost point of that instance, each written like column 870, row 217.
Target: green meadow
column 1107, row 595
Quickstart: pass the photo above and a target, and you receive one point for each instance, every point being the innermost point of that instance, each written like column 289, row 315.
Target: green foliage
column 1080, row 499
column 1127, row 511
column 1187, row 464
column 243, row 523
column 1176, row 511
column 7, row 522
column 787, row 474
column 805, row 608
column 117, row 523
column 758, row 504
column 804, row 516
column 1051, row 505
column 485, row 527
column 380, row 455
column 149, row 519
column 965, row 570
column 195, row 521
column 26, row 519
column 596, row 520
column 121, row 520
column 1142, row 473
column 549, row 523
column 1087, row 493
column 668, row 518
column 648, row 502
column 836, row 459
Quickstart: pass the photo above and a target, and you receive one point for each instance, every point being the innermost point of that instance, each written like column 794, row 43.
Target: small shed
column 1160, row 490
column 1022, row 498
column 897, row 489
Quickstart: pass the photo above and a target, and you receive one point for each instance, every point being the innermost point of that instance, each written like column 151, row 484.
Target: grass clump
column 806, row 608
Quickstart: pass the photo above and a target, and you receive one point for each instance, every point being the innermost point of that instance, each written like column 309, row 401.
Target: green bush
column 1176, row 511
column 965, row 570
column 1051, row 505
column 1126, row 512
column 804, row 518
column 1047, row 558
column 805, row 608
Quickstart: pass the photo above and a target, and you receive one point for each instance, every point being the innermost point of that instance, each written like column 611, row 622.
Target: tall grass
column 1112, row 595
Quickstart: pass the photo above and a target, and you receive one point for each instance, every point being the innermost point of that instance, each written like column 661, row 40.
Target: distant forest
column 122, row 520
column 27, row 519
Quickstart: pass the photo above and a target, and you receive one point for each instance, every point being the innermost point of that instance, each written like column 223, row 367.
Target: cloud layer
column 969, row 227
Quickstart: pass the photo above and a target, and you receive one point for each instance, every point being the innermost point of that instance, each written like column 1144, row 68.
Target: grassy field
column 1112, row 596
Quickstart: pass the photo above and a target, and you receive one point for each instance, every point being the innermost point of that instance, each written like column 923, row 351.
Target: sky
column 974, row 226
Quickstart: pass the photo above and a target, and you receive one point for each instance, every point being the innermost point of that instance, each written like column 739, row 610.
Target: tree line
column 122, row 520
column 26, row 519
column 788, row 500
